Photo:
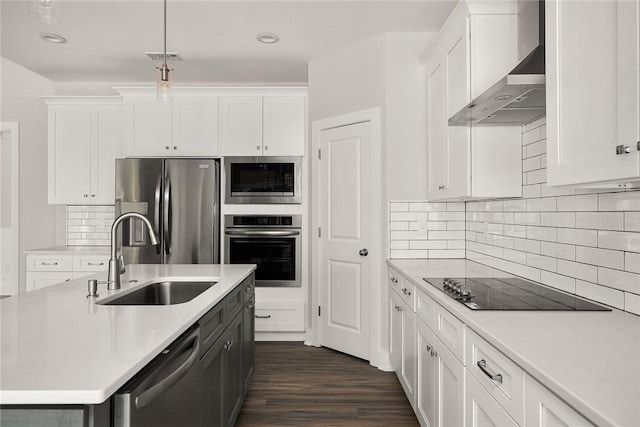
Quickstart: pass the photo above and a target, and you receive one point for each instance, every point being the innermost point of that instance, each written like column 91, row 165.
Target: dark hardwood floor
column 295, row 385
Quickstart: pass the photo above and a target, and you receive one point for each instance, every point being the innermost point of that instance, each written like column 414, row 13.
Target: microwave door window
column 275, row 258
column 262, row 178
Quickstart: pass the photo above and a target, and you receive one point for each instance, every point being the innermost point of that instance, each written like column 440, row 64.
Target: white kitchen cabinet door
column 240, row 125
column 106, row 147
column 283, row 131
column 69, row 142
column 593, row 92
column 39, row 280
column 427, row 386
column 451, row 380
column 482, row 410
column 395, row 331
column 147, row 127
column 437, row 129
column 544, row 409
column 195, row 126
column 405, row 327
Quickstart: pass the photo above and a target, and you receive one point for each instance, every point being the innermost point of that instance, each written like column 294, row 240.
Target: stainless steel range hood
column 519, row 97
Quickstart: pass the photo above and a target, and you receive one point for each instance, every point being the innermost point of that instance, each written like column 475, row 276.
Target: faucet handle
column 121, row 266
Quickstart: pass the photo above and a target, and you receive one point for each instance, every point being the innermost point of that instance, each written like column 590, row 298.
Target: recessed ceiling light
column 268, row 38
column 52, row 38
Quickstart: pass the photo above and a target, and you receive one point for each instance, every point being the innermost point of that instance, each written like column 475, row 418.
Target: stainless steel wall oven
column 272, row 242
column 262, row 180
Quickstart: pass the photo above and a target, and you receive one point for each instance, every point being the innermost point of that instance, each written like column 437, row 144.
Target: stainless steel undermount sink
column 161, row 293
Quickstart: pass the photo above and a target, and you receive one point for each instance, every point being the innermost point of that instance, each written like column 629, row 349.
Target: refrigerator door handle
column 167, row 215
column 156, row 214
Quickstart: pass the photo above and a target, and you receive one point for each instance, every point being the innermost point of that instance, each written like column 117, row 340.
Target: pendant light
column 165, row 79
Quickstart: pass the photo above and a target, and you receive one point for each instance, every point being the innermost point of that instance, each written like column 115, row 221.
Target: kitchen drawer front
column 508, row 389
column 38, row 280
column 542, row 406
column 276, row 316
column 49, row 263
column 482, row 409
column 426, row 308
column 90, row 262
column 450, row 330
column 249, row 286
column 233, row 303
column 395, row 279
column 211, row 327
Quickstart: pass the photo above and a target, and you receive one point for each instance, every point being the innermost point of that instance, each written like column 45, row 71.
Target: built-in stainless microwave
column 262, row 180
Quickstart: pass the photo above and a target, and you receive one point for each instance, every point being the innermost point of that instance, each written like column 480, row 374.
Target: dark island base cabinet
column 227, row 365
column 226, row 368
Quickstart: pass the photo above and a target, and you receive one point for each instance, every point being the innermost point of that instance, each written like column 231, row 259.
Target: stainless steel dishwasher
column 166, row 392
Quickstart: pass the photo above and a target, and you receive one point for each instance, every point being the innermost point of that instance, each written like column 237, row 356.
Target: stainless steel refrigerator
column 181, row 198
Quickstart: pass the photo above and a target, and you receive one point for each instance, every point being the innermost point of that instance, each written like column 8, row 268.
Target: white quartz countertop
column 98, row 250
column 589, row 359
column 59, row 347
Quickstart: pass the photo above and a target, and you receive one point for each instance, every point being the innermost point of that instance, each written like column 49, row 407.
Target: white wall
column 41, row 225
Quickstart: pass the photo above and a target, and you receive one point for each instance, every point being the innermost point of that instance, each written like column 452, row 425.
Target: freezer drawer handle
column 482, row 364
column 158, row 389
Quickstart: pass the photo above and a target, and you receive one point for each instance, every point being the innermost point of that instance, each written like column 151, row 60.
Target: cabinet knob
column 93, row 195
column 266, row 147
column 638, row 146
column 258, row 147
column 167, row 147
column 85, row 195
column 623, row 149
column 175, row 147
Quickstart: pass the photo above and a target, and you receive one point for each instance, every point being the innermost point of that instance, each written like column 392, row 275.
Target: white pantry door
column 345, row 236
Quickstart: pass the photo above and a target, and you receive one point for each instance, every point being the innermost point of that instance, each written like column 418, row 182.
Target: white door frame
column 13, row 129
column 378, row 356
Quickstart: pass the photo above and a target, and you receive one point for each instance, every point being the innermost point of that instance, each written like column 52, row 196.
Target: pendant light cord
column 165, row 33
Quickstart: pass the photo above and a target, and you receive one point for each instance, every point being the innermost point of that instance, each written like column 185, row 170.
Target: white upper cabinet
column 185, row 127
column 593, row 92
column 262, row 125
column 469, row 55
column 84, row 139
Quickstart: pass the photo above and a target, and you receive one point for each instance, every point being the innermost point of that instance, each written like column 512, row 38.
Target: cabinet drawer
column 450, row 330
column 507, row 385
column 275, row 316
column 211, row 326
column 233, row 303
column 395, row 279
column 403, row 287
column 39, row 280
column 249, row 286
column 49, row 263
column 542, row 405
column 426, row 308
column 90, row 262
column 482, row 409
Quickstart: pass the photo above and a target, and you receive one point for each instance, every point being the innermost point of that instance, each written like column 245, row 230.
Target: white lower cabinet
column 545, row 409
column 439, row 382
column 482, row 409
column 454, row 377
column 279, row 316
column 47, row 269
column 403, row 327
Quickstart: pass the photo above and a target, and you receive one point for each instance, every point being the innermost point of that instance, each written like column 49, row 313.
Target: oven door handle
column 261, row 233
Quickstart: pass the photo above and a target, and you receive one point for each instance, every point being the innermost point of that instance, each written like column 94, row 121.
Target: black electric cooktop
column 479, row 293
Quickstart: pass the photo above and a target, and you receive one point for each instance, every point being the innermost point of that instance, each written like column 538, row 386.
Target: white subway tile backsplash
column 546, row 191
column 600, row 220
column 577, row 236
column 398, row 206
column 542, row 262
column 418, row 207
column 600, row 257
column 427, row 244
column 531, row 163
column 409, row 254
column 632, row 303
column 446, row 216
column 578, row 270
column 89, row 225
column 588, row 202
column 564, row 283
column 399, row 226
column 531, row 136
column 456, row 207
column 542, row 233
column 558, row 219
column 622, row 280
column 407, row 216
column 608, row 296
column 542, row 204
column 399, row 244
column 536, row 177
column 627, row 201
column 447, row 253
column 446, row 235
column 632, row 221
column 619, row 240
column 535, row 149
column 529, row 191
column 529, row 218
column 558, row 250
column 631, row 262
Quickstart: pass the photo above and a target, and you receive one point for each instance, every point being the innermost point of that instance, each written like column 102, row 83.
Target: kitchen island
column 61, row 348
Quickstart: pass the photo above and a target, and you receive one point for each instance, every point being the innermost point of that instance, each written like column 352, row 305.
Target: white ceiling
column 107, row 39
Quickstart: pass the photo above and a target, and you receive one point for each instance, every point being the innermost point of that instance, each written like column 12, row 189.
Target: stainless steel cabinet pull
column 268, row 316
column 228, row 345
column 95, row 263
column 394, row 280
column 434, row 353
column 482, row 364
column 406, row 291
column 85, row 195
column 623, row 149
column 251, row 305
column 428, row 348
column 638, row 146
column 175, row 147
column 266, row 147
column 93, row 195
column 398, row 308
column 167, row 147
column 258, row 147
column 49, row 263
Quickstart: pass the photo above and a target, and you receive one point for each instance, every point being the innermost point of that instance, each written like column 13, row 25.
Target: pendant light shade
column 164, row 81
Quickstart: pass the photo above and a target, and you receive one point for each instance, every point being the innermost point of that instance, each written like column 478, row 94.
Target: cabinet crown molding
column 81, row 100
column 217, row 91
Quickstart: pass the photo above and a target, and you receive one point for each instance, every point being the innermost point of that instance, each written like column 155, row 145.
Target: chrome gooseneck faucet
column 114, row 269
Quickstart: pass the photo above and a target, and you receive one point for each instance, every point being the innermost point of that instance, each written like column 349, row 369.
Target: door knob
column 363, row 252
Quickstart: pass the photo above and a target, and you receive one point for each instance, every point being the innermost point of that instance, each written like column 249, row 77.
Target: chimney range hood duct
column 519, row 97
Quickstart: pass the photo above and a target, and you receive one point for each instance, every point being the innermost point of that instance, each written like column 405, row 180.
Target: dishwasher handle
column 160, row 388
